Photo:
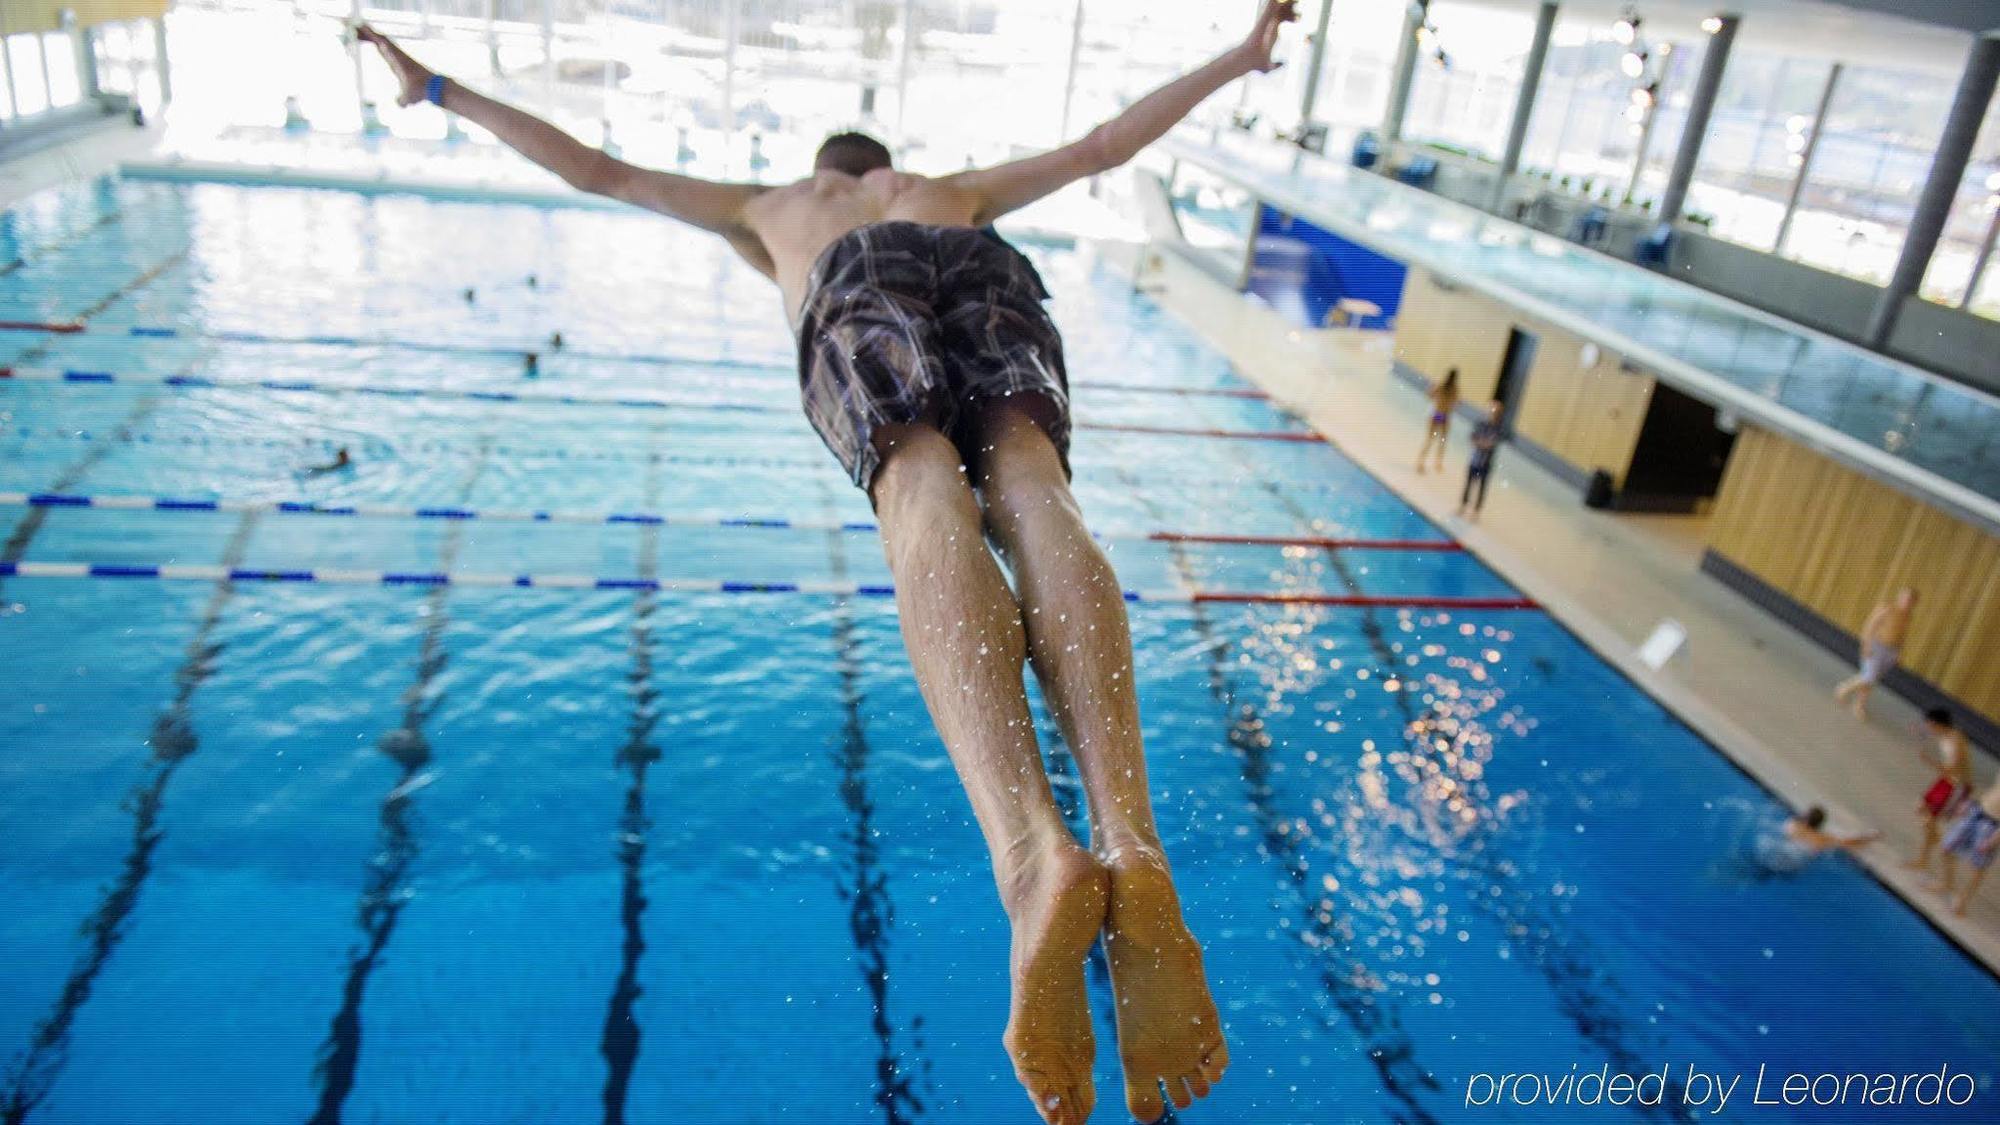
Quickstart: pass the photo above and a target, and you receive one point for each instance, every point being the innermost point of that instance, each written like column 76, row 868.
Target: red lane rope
column 1382, row 601
column 63, row 327
column 1309, row 541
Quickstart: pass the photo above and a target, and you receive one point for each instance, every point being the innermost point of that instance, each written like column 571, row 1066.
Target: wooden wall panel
column 1838, row 543
column 1438, row 328
column 1589, row 418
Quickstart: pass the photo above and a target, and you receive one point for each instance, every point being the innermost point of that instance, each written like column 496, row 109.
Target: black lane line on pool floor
column 23, row 536
column 1376, row 1024
column 24, row 532
column 871, row 913
column 384, row 892
column 173, row 741
column 50, row 249
column 621, row 1039
column 1563, row 959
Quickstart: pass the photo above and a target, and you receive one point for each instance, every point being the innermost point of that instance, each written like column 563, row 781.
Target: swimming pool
column 340, row 840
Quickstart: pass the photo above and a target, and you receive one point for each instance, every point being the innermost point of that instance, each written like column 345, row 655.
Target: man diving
column 933, row 373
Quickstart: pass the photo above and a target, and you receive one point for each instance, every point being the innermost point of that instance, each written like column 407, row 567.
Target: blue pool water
column 315, row 852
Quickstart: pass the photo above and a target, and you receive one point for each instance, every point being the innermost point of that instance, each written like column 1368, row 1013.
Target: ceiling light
column 1624, row 31
column 1635, row 113
column 1712, row 24
column 1633, row 64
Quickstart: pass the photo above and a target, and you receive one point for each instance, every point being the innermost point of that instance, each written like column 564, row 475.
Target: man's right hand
column 411, row 74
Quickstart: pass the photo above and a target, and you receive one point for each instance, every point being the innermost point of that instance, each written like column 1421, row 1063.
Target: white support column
column 83, row 43
column 354, row 60
column 1400, row 78
column 160, row 59
column 1069, row 82
column 1954, row 150
column 7, row 63
column 548, row 56
column 1806, row 158
column 1645, row 145
column 905, row 56
column 732, row 30
column 493, row 37
column 1314, row 63
column 48, row 84
column 1985, row 257
column 1524, row 103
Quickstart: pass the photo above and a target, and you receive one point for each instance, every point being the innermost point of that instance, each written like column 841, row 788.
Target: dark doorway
column 1514, row 367
column 1680, row 456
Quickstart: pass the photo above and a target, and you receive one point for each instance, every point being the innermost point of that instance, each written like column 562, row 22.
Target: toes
column 1177, row 1092
column 1215, row 1061
column 1142, row 1097
column 1197, row 1085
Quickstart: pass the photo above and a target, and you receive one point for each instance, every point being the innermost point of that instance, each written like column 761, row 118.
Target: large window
column 1582, row 133
column 1875, row 149
column 1756, row 143
column 1467, row 78
column 1970, row 229
column 1356, row 69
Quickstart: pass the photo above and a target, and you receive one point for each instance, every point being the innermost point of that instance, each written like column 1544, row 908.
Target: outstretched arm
column 706, row 204
column 1007, row 187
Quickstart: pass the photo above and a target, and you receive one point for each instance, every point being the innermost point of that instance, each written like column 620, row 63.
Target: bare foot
column 1056, row 904
column 1168, row 1029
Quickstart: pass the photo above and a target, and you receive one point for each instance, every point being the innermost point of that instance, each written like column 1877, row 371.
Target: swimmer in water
column 340, row 461
column 935, row 376
column 1798, row 842
column 1808, row 831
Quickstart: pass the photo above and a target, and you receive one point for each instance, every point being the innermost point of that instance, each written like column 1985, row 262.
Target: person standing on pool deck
column 1952, row 784
column 1485, row 439
column 1881, row 640
column 931, row 370
column 1443, row 399
column 1974, row 837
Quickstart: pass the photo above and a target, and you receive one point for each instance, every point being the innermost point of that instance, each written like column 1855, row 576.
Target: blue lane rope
column 780, row 367
column 330, row 576
column 131, row 503
column 74, row 376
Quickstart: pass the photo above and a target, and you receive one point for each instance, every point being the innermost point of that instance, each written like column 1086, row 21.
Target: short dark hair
column 1815, row 817
column 1938, row 717
column 852, row 153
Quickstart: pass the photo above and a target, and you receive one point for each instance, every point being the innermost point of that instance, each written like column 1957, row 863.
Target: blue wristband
column 434, row 90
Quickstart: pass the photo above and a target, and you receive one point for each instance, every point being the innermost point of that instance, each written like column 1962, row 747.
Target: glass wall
column 1467, row 79
column 1875, row 149
column 1970, row 227
column 1355, row 70
column 1756, row 144
column 1585, row 132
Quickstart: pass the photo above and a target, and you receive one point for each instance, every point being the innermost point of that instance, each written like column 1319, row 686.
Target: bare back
column 795, row 223
column 1892, row 624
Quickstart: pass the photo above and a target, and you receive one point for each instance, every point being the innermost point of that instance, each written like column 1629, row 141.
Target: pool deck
column 1747, row 682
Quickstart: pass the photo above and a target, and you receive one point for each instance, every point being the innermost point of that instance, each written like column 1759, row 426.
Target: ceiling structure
column 1931, row 36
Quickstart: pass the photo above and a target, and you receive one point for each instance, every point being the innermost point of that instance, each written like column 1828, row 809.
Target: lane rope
column 329, row 576
column 74, row 376
column 122, row 502
column 781, row 370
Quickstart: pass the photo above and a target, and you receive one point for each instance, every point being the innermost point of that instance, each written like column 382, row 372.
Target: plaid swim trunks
column 906, row 322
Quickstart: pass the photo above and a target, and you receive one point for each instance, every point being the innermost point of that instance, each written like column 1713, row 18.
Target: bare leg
column 1168, row 1030
column 963, row 631
column 1931, row 834
column 1971, row 887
